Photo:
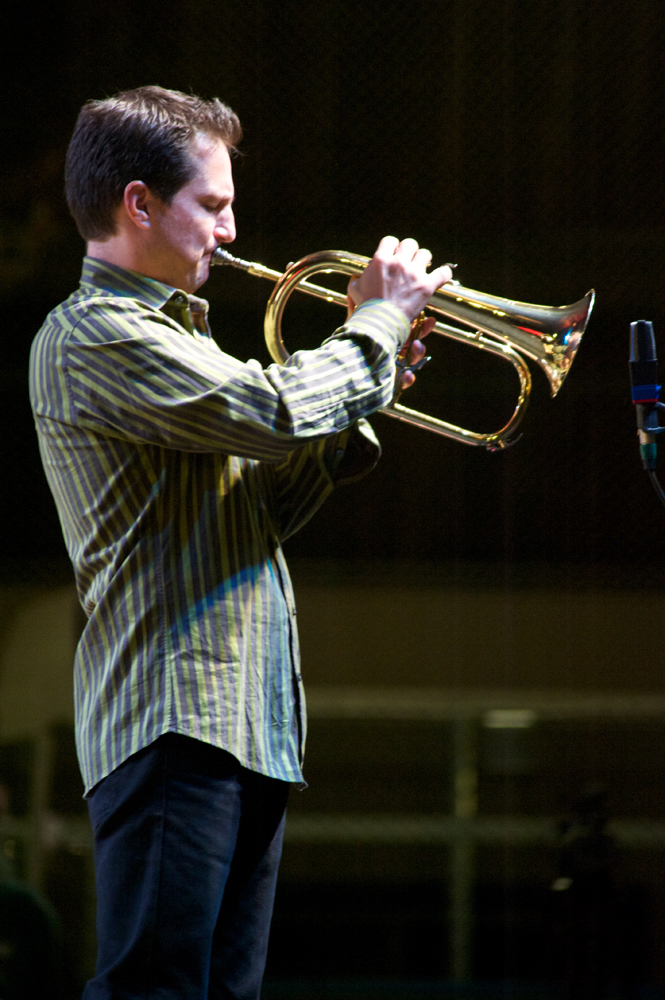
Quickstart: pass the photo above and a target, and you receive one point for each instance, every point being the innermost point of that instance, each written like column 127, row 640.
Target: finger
column 423, row 257
column 352, row 291
column 407, row 249
column 426, row 327
column 350, row 307
column 387, row 247
column 417, row 352
column 441, row 275
column 408, row 378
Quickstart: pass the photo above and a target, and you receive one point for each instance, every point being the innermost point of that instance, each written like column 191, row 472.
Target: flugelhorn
column 549, row 335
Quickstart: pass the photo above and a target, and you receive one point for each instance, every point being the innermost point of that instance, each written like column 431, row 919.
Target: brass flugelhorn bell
column 549, row 335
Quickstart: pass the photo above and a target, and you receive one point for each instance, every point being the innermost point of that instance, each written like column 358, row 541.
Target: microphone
column 645, row 389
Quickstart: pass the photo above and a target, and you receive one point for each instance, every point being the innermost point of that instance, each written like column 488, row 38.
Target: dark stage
column 526, row 143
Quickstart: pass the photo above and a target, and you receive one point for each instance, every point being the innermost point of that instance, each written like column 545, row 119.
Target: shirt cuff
column 382, row 321
column 353, row 453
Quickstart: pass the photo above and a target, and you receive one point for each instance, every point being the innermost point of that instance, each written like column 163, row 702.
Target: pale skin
column 173, row 242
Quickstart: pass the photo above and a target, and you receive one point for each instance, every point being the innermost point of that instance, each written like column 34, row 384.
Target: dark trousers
column 187, row 846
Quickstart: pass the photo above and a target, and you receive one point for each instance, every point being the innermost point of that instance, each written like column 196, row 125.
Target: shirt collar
column 188, row 310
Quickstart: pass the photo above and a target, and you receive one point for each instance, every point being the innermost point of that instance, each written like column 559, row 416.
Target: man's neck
column 115, row 250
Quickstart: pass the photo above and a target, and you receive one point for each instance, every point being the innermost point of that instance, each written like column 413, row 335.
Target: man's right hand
column 398, row 273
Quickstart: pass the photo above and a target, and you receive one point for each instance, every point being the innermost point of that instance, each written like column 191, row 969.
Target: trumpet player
column 177, row 471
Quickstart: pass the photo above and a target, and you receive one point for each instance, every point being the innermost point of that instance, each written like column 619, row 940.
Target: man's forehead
column 211, row 162
column 203, row 145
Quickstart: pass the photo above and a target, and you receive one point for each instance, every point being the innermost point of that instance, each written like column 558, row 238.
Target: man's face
column 199, row 218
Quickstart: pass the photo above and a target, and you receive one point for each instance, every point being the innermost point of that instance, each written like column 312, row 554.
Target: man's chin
column 198, row 277
column 203, row 272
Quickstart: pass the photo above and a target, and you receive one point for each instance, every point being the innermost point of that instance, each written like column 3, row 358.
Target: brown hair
column 144, row 134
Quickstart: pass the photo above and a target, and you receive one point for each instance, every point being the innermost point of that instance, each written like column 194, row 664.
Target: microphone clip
column 645, row 389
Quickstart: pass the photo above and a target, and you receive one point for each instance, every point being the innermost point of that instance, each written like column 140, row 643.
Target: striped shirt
column 177, row 472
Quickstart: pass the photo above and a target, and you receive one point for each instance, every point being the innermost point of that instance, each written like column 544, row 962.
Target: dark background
column 523, row 141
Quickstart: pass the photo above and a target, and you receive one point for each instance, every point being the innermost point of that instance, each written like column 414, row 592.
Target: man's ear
column 137, row 202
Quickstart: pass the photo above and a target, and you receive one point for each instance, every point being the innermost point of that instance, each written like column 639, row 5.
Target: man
column 177, row 472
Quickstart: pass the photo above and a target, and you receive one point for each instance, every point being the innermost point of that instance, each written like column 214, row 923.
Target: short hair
column 144, row 134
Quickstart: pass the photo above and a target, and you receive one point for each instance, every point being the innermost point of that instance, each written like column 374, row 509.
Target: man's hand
column 415, row 353
column 398, row 273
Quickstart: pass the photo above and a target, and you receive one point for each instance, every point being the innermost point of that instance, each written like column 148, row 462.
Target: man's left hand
column 416, row 349
column 416, row 352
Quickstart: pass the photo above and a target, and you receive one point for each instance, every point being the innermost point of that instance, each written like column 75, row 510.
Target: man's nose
column 225, row 230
